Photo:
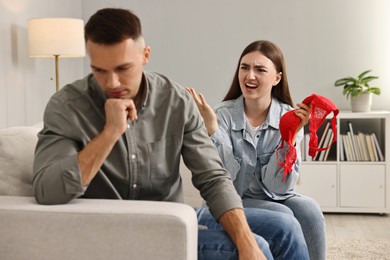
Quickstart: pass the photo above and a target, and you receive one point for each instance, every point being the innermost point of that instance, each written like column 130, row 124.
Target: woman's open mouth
column 251, row 86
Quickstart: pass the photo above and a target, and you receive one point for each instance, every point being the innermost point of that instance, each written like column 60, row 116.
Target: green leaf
column 369, row 78
column 346, row 92
column 344, row 81
column 363, row 74
column 376, row 91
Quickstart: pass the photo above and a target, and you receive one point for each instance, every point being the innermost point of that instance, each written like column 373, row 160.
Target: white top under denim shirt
column 252, row 163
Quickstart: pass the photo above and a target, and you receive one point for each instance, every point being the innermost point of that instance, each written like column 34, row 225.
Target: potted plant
column 359, row 90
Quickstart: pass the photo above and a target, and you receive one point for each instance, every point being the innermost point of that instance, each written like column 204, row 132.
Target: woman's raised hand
column 206, row 111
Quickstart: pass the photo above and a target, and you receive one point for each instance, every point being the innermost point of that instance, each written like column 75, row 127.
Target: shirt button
column 134, row 185
column 133, row 156
column 128, row 125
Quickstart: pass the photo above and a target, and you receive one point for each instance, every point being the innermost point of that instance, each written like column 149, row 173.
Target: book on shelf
column 359, row 150
column 342, row 150
column 363, row 142
column 374, row 148
column 322, row 139
column 353, row 143
column 378, row 148
column 348, row 146
column 370, row 147
column 351, row 146
column 329, row 143
column 347, row 152
column 325, row 143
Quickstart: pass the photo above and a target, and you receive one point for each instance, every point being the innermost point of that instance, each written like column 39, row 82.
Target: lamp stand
column 57, row 74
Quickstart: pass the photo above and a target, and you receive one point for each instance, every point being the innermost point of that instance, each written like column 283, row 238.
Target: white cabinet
column 362, row 186
column 316, row 181
column 351, row 186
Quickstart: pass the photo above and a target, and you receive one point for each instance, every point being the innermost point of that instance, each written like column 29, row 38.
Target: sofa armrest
column 96, row 229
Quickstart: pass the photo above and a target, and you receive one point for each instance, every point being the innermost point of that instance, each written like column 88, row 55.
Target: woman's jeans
column 309, row 215
column 279, row 236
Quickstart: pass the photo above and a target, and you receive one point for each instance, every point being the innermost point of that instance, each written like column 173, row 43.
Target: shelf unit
column 351, row 186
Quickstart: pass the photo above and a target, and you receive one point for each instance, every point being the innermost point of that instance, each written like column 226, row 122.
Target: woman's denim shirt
column 254, row 168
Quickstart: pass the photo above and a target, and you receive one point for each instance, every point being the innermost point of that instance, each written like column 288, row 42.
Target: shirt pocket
column 164, row 156
column 264, row 158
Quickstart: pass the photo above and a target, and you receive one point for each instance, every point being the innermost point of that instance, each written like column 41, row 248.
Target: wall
column 27, row 83
column 197, row 43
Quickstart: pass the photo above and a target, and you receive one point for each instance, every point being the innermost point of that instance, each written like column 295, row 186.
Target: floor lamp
column 55, row 38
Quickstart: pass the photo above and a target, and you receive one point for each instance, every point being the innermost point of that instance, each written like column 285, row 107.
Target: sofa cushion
column 17, row 145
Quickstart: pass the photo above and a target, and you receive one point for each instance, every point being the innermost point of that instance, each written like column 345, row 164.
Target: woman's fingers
column 202, row 99
column 194, row 96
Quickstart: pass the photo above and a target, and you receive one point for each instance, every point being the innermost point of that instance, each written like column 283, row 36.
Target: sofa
column 86, row 228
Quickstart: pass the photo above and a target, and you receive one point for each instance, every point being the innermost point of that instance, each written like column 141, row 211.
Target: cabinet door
column 362, row 186
column 319, row 182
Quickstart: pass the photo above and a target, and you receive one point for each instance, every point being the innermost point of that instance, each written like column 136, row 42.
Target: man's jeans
column 279, row 236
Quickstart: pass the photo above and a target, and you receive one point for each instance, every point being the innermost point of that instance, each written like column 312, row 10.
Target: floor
column 357, row 226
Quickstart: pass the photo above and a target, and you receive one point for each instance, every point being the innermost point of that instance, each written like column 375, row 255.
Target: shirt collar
column 239, row 121
column 275, row 113
column 145, row 88
column 273, row 117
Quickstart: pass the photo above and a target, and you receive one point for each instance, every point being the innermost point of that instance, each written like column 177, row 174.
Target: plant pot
column 361, row 103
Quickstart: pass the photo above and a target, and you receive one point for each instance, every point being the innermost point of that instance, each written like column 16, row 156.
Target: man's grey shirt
column 144, row 163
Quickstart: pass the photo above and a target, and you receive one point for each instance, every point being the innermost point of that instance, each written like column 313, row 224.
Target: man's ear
column 146, row 55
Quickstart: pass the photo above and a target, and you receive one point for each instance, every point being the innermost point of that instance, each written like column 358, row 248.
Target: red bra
column 320, row 107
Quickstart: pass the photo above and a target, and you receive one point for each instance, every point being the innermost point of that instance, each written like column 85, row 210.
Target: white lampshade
column 54, row 38
column 49, row 37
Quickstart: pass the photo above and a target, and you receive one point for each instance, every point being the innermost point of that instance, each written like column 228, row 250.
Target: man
column 119, row 134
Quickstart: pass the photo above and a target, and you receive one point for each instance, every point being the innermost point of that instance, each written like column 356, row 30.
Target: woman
column 245, row 130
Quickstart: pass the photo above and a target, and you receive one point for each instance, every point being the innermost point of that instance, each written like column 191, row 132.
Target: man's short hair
column 112, row 25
